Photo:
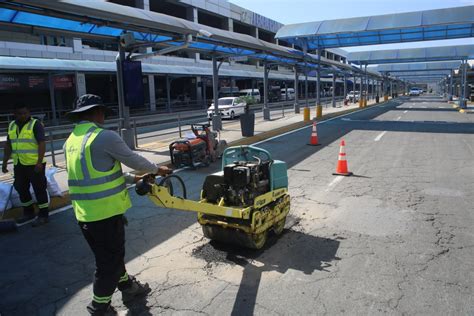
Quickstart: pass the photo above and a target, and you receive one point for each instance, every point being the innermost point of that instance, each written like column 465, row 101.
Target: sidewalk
column 158, row 151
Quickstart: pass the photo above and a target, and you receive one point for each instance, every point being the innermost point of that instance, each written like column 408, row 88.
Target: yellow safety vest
column 95, row 195
column 24, row 144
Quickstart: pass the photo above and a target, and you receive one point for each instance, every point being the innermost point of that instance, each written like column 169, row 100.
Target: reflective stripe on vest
column 95, row 195
column 23, row 143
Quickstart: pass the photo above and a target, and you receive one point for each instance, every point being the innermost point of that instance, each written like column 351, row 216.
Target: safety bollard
column 306, row 114
column 319, row 111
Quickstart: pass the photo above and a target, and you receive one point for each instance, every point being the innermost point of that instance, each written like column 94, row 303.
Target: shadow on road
column 425, row 109
column 294, row 250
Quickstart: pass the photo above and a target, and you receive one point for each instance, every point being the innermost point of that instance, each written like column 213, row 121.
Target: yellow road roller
column 240, row 204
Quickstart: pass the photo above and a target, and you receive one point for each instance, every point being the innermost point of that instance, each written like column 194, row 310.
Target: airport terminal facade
column 48, row 72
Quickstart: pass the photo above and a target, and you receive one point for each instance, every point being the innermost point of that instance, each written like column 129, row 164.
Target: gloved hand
column 39, row 167
column 164, row 171
column 149, row 178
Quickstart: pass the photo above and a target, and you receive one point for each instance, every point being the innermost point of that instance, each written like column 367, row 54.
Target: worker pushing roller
column 99, row 196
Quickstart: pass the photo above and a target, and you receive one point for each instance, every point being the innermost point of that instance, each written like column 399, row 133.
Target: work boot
column 40, row 221
column 136, row 289
column 98, row 309
column 28, row 214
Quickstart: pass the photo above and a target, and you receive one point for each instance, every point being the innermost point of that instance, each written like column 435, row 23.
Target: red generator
column 199, row 151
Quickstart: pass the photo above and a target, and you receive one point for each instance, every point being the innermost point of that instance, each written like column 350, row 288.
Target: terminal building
column 43, row 70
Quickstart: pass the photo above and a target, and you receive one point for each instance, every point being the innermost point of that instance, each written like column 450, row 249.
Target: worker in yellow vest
column 26, row 146
column 99, row 196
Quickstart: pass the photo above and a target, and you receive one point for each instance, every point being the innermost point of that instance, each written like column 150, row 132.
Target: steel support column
column 168, row 93
column 318, row 79
column 124, row 112
column 266, row 110
column 354, row 89
column 296, row 105
column 334, row 90
column 451, row 86
column 366, row 85
column 216, row 118
column 345, row 86
column 306, row 89
column 462, row 99
column 54, row 118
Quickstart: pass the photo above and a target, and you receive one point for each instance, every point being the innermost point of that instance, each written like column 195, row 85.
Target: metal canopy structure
column 449, row 23
column 105, row 20
column 109, row 22
column 419, row 26
column 415, row 67
column 44, row 64
column 412, row 55
column 421, row 73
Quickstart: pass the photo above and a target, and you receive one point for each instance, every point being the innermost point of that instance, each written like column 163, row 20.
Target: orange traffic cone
column 314, row 136
column 341, row 169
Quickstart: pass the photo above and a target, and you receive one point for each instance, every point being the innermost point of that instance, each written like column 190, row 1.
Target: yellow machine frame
column 259, row 222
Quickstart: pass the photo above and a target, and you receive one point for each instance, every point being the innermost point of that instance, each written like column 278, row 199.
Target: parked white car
column 252, row 94
column 290, row 92
column 414, row 92
column 229, row 107
column 351, row 95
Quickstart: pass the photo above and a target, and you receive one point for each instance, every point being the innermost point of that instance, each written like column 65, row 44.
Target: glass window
column 225, row 101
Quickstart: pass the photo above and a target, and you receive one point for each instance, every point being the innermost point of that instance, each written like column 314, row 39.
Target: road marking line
column 399, row 118
column 405, row 111
column 380, row 136
column 334, row 182
column 319, row 123
column 411, row 106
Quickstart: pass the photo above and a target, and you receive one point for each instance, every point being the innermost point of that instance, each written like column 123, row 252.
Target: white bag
column 15, row 199
column 5, row 196
column 53, row 186
column 52, row 190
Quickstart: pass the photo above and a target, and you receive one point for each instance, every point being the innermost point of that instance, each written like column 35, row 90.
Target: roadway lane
column 395, row 238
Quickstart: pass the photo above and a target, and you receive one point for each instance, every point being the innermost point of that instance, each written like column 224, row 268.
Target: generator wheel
column 279, row 227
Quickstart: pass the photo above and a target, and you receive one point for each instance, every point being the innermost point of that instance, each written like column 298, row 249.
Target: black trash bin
column 247, row 124
column 377, row 99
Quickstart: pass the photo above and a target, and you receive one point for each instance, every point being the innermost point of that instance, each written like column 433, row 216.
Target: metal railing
column 55, row 134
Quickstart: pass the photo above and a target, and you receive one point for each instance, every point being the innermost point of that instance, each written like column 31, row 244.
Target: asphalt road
column 394, row 238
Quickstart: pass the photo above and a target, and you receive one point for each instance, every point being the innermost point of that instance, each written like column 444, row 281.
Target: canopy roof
column 418, row 26
column 107, row 21
column 416, row 67
column 421, row 73
column 66, row 66
column 410, row 55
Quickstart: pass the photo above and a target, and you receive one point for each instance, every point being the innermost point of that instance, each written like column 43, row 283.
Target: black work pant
column 26, row 175
column 107, row 241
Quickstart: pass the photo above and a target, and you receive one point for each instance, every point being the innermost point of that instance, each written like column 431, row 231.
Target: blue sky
column 297, row 11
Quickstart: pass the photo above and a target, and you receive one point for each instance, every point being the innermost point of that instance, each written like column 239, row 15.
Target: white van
column 254, row 94
column 291, row 94
column 229, row 107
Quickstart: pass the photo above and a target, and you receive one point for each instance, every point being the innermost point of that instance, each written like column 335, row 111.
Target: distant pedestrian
column 26, row 146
